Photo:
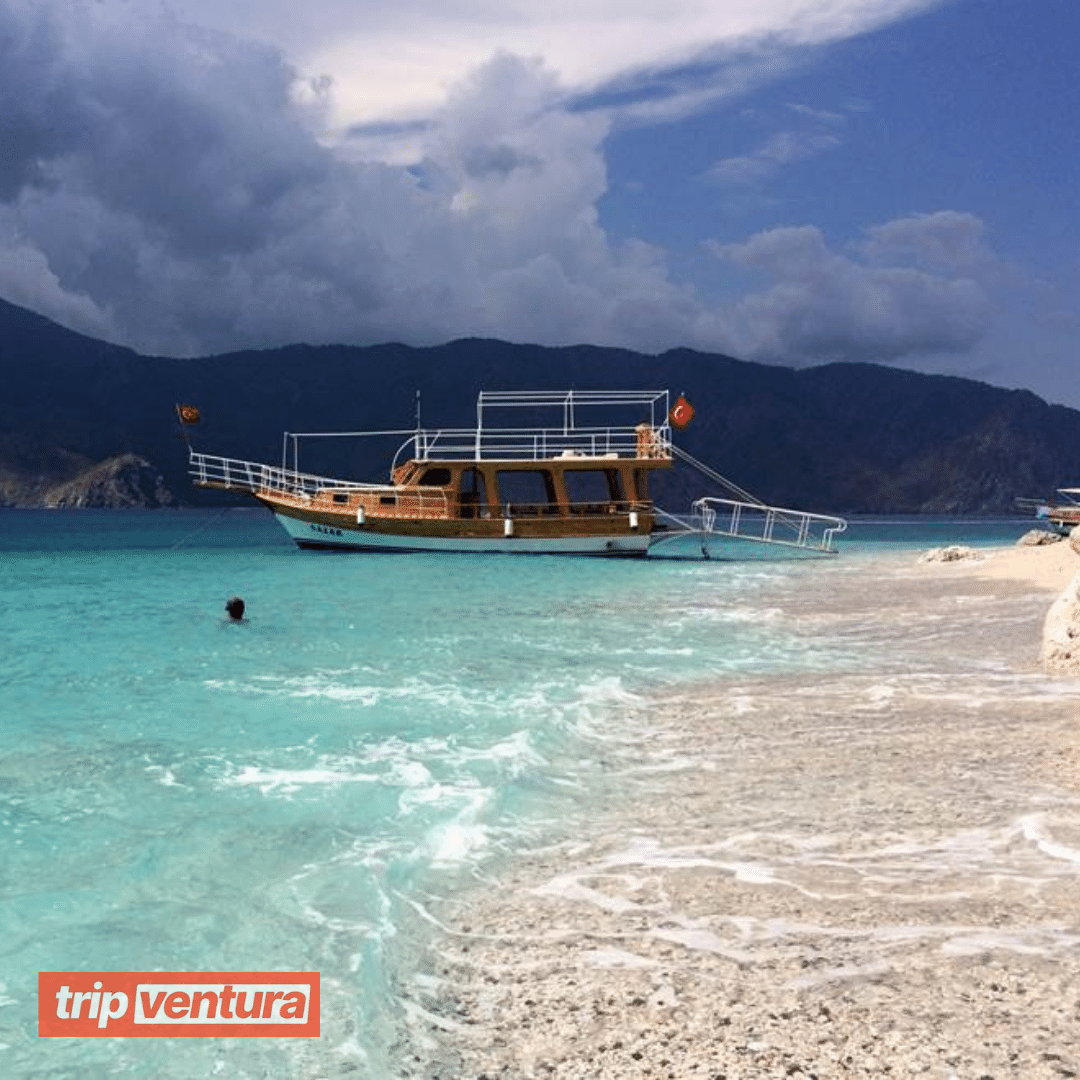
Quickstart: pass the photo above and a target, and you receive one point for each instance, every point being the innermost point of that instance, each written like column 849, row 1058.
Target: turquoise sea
column 299, row 791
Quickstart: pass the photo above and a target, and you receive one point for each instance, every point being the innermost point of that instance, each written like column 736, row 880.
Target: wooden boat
column 572, row 487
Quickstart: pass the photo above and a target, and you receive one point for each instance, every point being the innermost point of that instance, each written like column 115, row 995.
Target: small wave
column 465, row 837
column 288, row 781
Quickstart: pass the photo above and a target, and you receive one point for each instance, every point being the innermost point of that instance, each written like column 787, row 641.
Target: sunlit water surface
column 182, row 793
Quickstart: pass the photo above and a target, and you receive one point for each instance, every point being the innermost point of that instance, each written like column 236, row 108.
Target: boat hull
column 1063, row 519
column 341, row 536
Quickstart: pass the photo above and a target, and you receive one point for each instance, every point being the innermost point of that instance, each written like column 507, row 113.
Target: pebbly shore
column 849, row 873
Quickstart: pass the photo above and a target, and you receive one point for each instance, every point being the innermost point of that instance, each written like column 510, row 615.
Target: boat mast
column 416, row 439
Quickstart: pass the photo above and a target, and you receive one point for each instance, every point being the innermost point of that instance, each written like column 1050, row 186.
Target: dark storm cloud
column 192, row 133
column 164, row 183
column 38, row 114
column 163, row 186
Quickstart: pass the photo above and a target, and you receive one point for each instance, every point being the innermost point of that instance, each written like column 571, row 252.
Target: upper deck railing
column 537, row 444
column 648, row 437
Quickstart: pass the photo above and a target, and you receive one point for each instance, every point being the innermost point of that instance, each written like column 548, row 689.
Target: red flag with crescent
column 682, row 412
column 189, row 414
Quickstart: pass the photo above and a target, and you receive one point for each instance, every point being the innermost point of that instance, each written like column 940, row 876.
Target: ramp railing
column 766, row 524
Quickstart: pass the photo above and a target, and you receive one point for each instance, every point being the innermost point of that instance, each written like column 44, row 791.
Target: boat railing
column 251, row 477
column 372, row 501
column 609, row 507
column 606, row 508
column 766, row 524
column 538, row 444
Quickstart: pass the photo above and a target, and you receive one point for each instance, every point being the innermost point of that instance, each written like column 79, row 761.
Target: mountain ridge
column 844, row 437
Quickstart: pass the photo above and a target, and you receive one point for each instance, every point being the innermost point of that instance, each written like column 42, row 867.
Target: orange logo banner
column 80, row 1004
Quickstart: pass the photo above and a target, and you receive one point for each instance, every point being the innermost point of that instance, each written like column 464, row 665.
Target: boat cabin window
column 436, row 476
column 473, row 494
column 587, row 488
column 528, row 491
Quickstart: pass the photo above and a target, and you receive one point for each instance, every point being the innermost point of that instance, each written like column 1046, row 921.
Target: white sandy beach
column 870, row 871
column 1050, row 567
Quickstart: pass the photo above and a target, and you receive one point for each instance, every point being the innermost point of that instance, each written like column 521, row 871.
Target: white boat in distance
column 572, row 488
column 1063, row 515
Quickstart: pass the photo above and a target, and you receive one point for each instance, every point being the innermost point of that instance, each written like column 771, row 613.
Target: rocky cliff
column 61, row 479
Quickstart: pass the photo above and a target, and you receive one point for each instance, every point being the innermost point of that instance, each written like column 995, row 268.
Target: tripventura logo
column 134, row 1003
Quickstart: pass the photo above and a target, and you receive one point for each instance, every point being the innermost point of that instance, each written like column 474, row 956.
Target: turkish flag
column 682, row 412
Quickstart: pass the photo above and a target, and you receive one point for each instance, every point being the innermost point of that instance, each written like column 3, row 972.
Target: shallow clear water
column 865, row 864
column 178, row 792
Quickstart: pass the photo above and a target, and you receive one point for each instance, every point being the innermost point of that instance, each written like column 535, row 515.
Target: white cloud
column 819, row 132
column 780, row 149
column 946, row 239
column 824, row 306
column 395, row 59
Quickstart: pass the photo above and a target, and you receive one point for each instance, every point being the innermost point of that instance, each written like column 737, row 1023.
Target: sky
column 787, row 181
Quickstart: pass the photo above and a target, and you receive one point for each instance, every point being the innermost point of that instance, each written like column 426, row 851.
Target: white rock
column 1061, row 631
column 1037, row 537
column 1074, row 539
column 953, row 553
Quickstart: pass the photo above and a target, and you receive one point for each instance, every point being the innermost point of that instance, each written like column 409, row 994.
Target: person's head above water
column 235, row 607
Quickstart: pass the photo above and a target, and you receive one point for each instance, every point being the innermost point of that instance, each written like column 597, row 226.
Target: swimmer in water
column 235, row 607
